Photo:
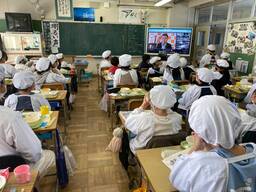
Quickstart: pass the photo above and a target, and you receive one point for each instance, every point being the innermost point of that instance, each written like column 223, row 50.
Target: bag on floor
column 70, row 160
column 104, row 102
column 62, row 172
column 116, row 142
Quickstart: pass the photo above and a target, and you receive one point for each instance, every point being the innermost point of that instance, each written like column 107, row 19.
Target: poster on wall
column 84, row 14
column 54, row 35
column 64, row 9
column 241, row 38
column 129, row 15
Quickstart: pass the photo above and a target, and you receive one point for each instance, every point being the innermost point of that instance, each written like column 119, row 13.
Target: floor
column 88, row 135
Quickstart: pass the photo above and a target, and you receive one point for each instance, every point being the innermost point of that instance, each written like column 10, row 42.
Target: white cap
column 125, row 60
column 20, row 58
column 23, row 80
column 211, row 47
column 174, row 60
column 1, row 54
column 247, row 99
column 59, row 55
column 205, row 75
column 53, row 58
column 2, row 73
column 183, row 61
column 106, row 54
column 222, row 63
column 224, row 55
column 216, row 120
column 153, row 60
column 42, row 64
column 162, row 96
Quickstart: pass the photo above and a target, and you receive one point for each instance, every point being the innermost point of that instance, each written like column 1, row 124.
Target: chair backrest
column 134, row 103
column 166, row 140
column 11, row 161
column 126, row 86
column 54, row 86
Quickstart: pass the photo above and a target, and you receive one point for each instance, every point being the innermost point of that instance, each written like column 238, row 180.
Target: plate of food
column 33, row 119
column 125, row 91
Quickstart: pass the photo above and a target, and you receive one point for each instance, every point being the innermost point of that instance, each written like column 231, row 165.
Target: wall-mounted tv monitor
column 84, row 14
column 18, row 22
column 169, row 40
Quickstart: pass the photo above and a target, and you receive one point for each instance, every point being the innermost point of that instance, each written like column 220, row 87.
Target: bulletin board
column 241, row 38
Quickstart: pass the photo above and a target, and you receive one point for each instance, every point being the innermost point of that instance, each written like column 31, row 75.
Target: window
column 204, row 15
column 200, row 38
column 220, row 12
column 242, row 9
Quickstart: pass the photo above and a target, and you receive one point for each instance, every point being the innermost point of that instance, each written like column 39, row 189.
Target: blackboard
column 94, row 38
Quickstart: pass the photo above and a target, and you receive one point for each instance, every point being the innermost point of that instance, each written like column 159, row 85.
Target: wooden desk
column 52, row 127
column 27, row 187
column 79, row 68
column 153, row 81
column 233, row 92
column 156, row 172
column 238, row 78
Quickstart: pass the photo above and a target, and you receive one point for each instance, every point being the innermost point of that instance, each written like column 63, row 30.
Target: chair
column 134, row 103
column 11, row 161
column 166, row 140
column 54, row 86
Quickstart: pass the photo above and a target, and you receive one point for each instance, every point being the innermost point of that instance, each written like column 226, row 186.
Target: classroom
column 127, row 95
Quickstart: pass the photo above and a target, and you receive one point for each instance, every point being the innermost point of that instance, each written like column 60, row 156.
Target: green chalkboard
column 36, row 25
column 245, row 57
column 92, row 38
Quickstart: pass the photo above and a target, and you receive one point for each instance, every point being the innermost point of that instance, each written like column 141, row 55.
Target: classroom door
column 217, row 36
column 201, row 42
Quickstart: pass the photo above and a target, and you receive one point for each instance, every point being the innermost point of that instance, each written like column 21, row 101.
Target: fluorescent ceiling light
column 162, row 2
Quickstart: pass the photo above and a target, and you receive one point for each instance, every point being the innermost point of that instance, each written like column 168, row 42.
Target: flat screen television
column 84, row 14
column 169, row 40
column 18, row 22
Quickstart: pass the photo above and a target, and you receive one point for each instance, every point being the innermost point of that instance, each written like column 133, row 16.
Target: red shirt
column 112, row 69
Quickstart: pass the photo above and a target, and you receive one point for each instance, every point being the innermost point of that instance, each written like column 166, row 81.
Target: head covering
column 23, row 80
column 153, row 60
column 222, row 63
column 224, row 55
column 174, row 60
column 247, row 99
column 20, row 58
column 216, row 120
column 2, row 73
column 183, row 61
column 162, row 97
column 211, row 47
column 106, row 54
column 59, row 55
column 205, row 75
column 125, row 60
column 1, row 54
column 42, row 64
column 53, row 58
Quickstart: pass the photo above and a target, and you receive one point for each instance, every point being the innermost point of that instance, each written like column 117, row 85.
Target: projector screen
column 169, row 40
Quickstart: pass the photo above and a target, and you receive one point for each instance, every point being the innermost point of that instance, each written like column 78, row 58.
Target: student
column 3, row 89
column 154, row 71
column 44, row 74
column 125, row 75
column 210, row 58
column 9, row 69
column 160, row 120
column 187, row 69
column 226, row 56
column 25, row 99
column 221, row 76
column 17, row 138
column 54, row 64
column 20, row 63
column 215, row 162
column 114, row 62
column 203, row 87
column 106, row 55
column 173, row 70
column 145, row 62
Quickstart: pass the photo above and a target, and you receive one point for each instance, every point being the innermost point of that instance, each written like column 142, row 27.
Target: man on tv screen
column 163, row 45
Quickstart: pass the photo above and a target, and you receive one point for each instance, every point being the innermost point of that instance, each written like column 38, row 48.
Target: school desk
column 53, row 124
column 238, row 78
column 154, row 172
column 117, row 98
column 234, row 93
column 27, row 187
column 79, row 69
column 153, row 81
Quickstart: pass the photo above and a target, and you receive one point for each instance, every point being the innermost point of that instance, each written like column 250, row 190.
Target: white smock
column 37, row 101
column 206, row 59
column 9, row 70
column 146, row 124
column 192, row 94
column 167, row 76
column 56, row 78
column 104, row 63
column 22, row 67
column 119, row 73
